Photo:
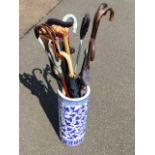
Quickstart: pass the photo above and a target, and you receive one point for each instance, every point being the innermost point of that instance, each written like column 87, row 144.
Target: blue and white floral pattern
column 72, row 120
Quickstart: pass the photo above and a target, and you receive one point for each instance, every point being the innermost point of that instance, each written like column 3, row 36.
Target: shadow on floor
column 47, row 97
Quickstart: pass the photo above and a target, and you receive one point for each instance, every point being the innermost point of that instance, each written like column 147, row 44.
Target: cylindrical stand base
column 72, row 118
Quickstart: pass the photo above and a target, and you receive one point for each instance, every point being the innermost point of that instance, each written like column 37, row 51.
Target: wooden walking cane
column 101, row 11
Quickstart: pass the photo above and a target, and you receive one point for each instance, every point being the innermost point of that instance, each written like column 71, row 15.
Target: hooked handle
column 102, row 10
column 54, row 21
column 71, row 16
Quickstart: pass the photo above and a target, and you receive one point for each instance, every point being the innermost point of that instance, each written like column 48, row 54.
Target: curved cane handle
column 68, row 16
column 102, row 10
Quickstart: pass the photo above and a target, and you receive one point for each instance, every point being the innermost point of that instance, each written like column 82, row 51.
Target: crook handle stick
column 102, row 11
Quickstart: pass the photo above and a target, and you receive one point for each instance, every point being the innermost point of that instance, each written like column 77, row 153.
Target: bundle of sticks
column 53, row 35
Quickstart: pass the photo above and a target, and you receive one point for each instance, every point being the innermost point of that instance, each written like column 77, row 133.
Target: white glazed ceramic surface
column 72, row 118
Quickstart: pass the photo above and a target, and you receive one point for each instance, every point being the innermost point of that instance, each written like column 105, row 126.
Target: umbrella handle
column 59, row 22
column 64, row 32
column 102, row 10
column 67, row 17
